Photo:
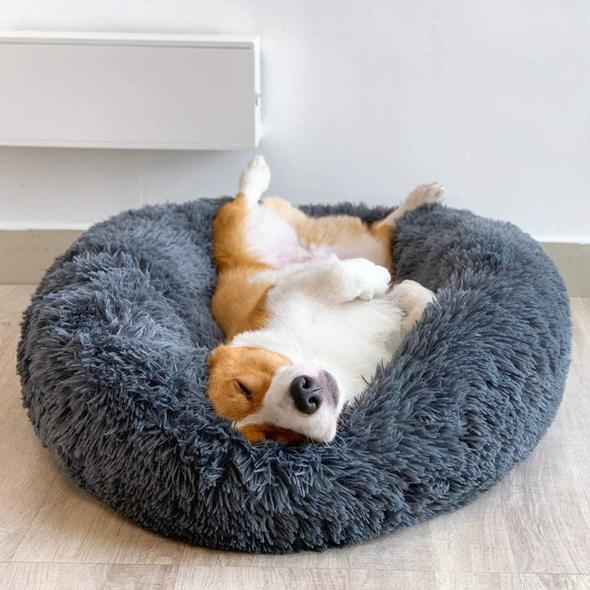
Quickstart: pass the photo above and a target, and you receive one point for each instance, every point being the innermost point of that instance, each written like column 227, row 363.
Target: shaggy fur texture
column 113, row 367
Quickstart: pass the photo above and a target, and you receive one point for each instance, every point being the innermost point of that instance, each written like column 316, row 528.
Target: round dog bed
column 113, row 363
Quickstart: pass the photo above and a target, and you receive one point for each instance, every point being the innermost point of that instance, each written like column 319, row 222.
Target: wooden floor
column 531, row 531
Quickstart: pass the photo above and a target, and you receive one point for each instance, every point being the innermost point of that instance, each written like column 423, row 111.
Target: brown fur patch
column 384, row 234
column 254, row 368
column 229, row 239
column 238, row 304
column 259, row 432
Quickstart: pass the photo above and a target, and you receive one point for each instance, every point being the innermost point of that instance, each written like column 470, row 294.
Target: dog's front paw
column 424, row 194
column 364, row 279
column 255, row 179
column 412, row 299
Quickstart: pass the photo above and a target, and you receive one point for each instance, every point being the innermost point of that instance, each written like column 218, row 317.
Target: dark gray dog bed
column 113, row 363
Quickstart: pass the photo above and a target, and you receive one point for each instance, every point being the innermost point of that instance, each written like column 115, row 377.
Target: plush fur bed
column 113, row 363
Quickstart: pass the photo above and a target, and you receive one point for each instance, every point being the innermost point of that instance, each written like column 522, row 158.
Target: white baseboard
column 26, row 254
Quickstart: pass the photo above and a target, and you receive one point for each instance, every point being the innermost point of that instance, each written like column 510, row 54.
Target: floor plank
column 417, row 580
column 531, row 531
column 74, row 576
column 258, row 578
column 27, row 474
column 13, row 301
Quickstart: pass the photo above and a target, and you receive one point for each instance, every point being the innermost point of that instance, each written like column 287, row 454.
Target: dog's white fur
column 327, row 313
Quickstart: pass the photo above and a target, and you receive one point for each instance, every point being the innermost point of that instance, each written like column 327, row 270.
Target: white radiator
column 105, row 90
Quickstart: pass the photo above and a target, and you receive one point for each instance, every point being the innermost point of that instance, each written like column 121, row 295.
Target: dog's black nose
column 306, row 393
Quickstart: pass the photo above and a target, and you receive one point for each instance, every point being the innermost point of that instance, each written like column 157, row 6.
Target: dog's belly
column 272, row 240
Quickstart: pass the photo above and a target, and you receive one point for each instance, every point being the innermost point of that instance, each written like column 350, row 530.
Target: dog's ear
column 216, row 353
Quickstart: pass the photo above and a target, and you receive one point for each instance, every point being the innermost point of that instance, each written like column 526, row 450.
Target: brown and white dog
column 307, row 310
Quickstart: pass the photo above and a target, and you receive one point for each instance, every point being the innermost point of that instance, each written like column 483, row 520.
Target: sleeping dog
column 307, row 310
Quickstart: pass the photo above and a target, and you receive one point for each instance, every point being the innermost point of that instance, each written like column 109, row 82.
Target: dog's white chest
column 349, row 339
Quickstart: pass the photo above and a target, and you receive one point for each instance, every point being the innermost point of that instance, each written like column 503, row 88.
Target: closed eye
column 243, row 389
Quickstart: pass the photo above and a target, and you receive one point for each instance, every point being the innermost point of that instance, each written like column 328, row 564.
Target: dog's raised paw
column 255, row 179
column 365, row 279
column 425, row 194
column 412, row 299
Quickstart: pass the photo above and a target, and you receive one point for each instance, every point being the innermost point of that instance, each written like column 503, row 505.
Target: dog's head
column 268, row 396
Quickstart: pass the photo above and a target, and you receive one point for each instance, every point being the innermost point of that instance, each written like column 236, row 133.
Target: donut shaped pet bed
column 113, row 363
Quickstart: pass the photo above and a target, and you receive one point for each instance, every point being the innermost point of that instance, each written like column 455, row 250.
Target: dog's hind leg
column 424, row 194
column 383, row 230
column 254, row 180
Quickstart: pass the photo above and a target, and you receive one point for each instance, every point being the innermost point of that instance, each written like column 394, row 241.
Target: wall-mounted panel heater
column 105, row 90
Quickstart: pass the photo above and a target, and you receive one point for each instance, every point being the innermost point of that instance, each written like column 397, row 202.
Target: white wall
column 362, row 100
